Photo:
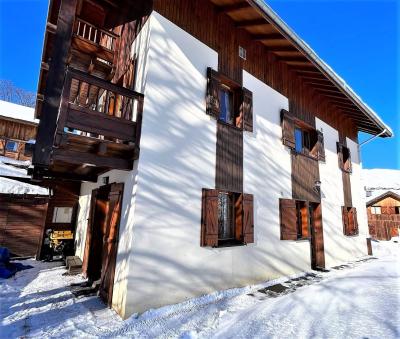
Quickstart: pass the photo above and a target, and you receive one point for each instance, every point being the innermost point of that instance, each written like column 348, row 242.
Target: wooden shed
column 22, row 221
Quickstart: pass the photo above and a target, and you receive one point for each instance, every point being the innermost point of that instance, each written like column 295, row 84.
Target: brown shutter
column 248, row 218
column 287, row 121
column 345, row 217
column 212, row 99
column 340, row 155
column 321, row 146
column 247, row 109
column 288, row 219
column 209, row 218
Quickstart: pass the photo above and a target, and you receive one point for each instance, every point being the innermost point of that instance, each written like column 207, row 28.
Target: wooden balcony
column 94, row 41
column 98, row 128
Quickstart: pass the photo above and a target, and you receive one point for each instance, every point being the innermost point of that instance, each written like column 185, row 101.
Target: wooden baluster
column 84, row 30
column 79, row 28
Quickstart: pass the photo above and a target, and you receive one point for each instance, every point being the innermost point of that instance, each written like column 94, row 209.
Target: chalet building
column 214, row 147
column 382, row 188
column 18, row 127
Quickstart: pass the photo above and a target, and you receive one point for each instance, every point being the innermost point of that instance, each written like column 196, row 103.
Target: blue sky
column 357, row 38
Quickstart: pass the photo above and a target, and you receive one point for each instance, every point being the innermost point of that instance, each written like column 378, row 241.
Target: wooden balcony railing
column 94, row 109
column 96, row 35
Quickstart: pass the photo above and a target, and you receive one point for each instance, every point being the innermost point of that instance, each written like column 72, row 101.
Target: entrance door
column 110, row 243
column 317, row 237
column 102, row 238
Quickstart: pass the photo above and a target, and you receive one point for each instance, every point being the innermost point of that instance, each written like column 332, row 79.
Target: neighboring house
column 27, row 207
column 17, row 127
column 382, row 188
column 214, row 147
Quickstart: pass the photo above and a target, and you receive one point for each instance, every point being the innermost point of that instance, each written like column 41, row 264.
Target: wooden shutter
column 321, row 146
column 340, row 155
column 110, row 242
column 288, row 219
column 247, row 109
column 305, row 220
column 287, row 121
column 212, row 99
column 248, row 218
column 209, row 218
column 345, row 217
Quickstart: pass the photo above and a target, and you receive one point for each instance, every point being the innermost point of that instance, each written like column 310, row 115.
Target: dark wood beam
column 79, row 158
column 316, row 79
column 325, row 85
column 282, row 49
column 292, row 58
column 54, row 83
column 235, row 7
column 251, row 23
column 272, row 36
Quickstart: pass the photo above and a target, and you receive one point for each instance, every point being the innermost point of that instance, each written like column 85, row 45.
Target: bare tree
column 11, row 93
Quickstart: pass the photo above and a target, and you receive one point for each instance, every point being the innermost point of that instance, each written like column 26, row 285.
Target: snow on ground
column 357, row 300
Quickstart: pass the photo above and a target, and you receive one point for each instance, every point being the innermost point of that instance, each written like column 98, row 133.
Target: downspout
column 372, row 138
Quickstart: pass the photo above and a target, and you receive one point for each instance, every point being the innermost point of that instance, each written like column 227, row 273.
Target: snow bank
column 14, row 111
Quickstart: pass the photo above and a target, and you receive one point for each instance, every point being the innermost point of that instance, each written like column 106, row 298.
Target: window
column 306, row 141
column 294, row 219
column 376, row 210
column 397, row 210
column 344, row 158
column 350, row 223
column 11, row 146
column 228, row 102
column 226, row 105
column 62, row 215
column 227, row 218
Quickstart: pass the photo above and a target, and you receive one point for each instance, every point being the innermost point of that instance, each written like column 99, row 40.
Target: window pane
column 62, row 215
column 226, row 103
column 375, row 210
column 298, row 135
column 11, row 146
column 225, row 216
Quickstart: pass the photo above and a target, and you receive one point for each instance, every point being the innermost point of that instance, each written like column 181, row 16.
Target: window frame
column 309, row 147
column 54, row 215
column 374, row 208
column 16, row 143
column 235, row 90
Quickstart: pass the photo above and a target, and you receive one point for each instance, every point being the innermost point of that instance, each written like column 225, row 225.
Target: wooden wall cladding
column 202, row 20
column 21, row 224
column 18, row 131
column 305, row 172
column 229, row 166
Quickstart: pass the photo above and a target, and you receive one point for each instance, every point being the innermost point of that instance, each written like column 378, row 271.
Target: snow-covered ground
column 355, row 300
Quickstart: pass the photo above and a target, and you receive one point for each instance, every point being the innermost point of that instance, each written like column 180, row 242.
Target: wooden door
column 94, row 239
column 110, row 242
column 317, row 237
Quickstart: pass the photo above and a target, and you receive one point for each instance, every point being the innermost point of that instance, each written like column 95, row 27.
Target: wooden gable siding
column 202, row 20
column 305, row 172
column 229, row 166
column 16, row 130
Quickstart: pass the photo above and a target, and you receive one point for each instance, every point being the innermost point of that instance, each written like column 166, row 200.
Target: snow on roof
column 9, row 186
column 284, row 27
column 14, row 111
column 379, row 181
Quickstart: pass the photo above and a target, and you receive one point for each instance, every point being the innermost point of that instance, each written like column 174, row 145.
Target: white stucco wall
column 160, row 260
column 338, row 247
column 177, row 160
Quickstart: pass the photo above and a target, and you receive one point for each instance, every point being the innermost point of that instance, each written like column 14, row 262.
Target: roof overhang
column 267, row 27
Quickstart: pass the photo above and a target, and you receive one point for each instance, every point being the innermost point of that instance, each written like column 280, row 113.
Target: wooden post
column 54, row 83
